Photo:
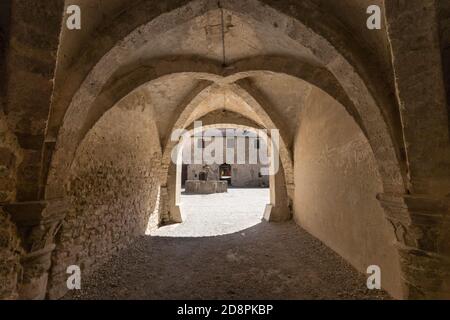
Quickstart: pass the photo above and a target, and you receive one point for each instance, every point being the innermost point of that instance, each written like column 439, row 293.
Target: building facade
column 237, row 156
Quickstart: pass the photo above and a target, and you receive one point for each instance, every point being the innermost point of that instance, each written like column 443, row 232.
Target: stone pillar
column 164, row 216
column 37, row 222
column 279, row 209
column 172, row 190
column 422, row 229
column 169, row 210
column 412, row 27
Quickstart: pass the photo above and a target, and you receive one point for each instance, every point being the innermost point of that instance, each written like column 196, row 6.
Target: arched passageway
column 227, row 191
column 87, row 174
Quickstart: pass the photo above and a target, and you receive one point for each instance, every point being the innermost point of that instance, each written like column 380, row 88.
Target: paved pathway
column 224, row 251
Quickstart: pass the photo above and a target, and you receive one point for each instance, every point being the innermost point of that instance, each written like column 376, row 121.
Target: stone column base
column 421, row 226
column 169, row 211
column 277, row 213
column 37, row 222
column 36, row 266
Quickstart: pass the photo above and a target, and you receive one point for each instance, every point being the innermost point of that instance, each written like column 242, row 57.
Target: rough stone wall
column 247, row 176
column 10, row 246
column 242, row 175
column 10, row 157
column 31, row 61
column 10, row 252
column 444, row 25
column 336, row 183
column 9, row 149
column 113, row 190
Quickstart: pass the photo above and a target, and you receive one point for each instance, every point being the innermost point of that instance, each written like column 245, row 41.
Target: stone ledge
column 206, row 187
column 416, row 208
column 418, row 221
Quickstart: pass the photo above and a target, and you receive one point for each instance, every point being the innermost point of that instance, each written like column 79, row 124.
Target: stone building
column 86, row 117
column 243, row 154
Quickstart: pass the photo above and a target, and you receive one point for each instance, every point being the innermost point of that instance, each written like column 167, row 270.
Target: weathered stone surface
column 37, row 227
column 413, row 31
column 10, row 251
column 10, row 156
column 206, row 187
column 28, row 84
column 420, row 225
column 112, row 193
column 86, row 119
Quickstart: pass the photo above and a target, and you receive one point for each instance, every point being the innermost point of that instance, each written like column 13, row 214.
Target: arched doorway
column 225, row 173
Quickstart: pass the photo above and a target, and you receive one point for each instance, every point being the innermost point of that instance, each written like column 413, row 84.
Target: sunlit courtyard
column 218, row 214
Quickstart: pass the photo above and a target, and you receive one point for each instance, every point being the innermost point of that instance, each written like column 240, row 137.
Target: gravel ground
column 261, row 261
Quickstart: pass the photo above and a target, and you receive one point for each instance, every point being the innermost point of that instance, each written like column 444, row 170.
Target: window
column 201, row 144
column 230, row 143
column 257, row 144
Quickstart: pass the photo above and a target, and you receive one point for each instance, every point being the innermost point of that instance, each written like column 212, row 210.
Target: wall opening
column 222, row 190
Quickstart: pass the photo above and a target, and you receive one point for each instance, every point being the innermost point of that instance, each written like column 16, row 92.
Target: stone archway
column 201, row 106
column 280, row 205
column 109, row 82
column 58, row 85
column 199, row 69
column 335, row 62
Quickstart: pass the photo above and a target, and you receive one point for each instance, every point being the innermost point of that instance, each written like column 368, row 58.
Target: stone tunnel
column 87, row 116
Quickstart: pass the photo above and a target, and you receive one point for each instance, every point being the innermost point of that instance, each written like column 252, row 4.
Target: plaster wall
column 336, row 183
